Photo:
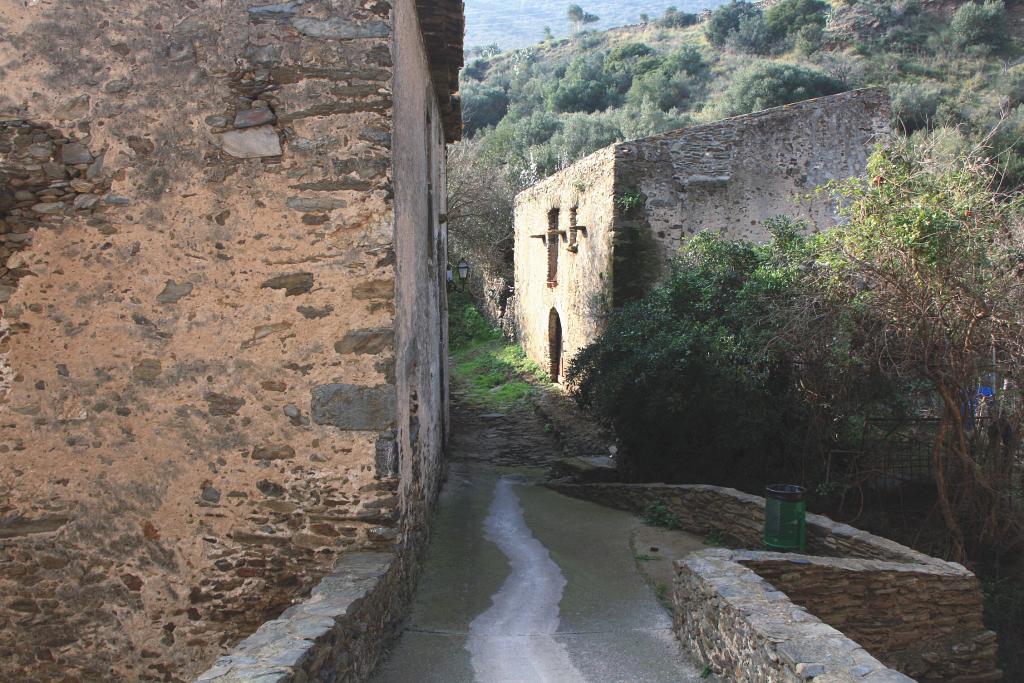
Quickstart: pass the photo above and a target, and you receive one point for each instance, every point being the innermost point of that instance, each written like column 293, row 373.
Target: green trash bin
column 785, row 518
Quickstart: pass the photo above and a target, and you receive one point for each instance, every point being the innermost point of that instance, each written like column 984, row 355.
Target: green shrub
column 582, row 87
column 980, row 24
column 915, row 105
column 658, row 514
column 771, row 84
column 483, row 105
column 661, row 88
column 476, row 69
column 683, row 376
column 673, row 18
column 786, row 20
column 466, row 326
column 726, row 20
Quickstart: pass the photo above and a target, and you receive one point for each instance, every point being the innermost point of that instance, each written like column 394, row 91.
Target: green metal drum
column 785, row 518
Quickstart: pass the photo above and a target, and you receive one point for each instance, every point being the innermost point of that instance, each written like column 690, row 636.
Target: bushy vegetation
column 755, row 362
column 536, row 110
column 685, row 376
column 953, row 74
column 487, row 370
column 769, row 84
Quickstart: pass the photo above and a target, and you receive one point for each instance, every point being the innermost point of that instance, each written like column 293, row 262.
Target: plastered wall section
column 199, row 309
column 582, row 295
column 421, row 326
column 735, row 174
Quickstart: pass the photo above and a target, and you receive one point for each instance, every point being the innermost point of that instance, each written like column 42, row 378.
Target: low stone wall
column 916, row 613
column 336, row 635
column 924, row 620
column 739, row 516
column 749, row 632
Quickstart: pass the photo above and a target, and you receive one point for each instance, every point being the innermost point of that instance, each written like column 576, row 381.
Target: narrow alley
column 522, row 584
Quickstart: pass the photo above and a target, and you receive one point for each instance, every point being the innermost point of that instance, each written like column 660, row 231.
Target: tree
column 977, row 24
column 483, row 105
column 578, row 17
column 671, row 371
column 930, row 265
column 673, row 18
column 726, row 20
column 481, row 201
column 771, row 84
column 787, row 19
column 915, row 105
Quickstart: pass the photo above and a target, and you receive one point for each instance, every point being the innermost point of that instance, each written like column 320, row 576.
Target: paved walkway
column 524, row 585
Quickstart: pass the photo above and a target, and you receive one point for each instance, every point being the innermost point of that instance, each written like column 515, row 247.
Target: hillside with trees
column 538, row 109
column 955, row 72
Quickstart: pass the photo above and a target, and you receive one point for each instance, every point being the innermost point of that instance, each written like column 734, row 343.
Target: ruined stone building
column 222, row 235
column 601, row 232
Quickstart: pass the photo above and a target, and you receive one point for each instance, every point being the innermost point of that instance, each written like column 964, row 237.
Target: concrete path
column 524, row 585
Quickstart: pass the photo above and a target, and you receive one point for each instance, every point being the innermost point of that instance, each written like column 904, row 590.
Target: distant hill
column 516, row 23
column 955, row 71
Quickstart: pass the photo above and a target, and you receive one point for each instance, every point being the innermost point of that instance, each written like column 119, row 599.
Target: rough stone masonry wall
column 732, row 175
column 197, row 220
column 922, row 620
column 916, row 613
column 339, row 632
column 749, row 632
column 582, row 296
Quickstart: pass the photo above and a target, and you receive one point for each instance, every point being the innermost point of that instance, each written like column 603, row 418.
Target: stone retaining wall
column 749, row 632
column 916, row 613
column 739, row 516
column 924, row 620
column 336, row 635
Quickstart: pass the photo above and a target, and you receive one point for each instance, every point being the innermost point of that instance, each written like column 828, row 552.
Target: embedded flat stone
column 49, row 207
column 273, row 452
column 248, row 118
column 76, row 153
column 74, row 108
column 365, row 341
column 174, row 292
column 339, row 28
column 355, row 408
column 252, row 143
column 293, row 284
column 315, row 203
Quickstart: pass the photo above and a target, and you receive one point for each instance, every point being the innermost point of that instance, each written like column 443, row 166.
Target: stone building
column 601, row 232
column 223, row 355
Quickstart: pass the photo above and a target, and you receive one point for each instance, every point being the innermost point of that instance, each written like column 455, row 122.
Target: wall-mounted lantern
column 463, row 268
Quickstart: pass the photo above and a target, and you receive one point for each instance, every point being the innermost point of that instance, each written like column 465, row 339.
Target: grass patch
column 489, row 371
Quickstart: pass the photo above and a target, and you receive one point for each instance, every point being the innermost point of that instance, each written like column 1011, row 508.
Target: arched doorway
column 555, row 345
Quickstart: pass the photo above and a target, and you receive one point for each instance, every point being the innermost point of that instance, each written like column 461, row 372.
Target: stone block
column 354, row 408
column 252, row 143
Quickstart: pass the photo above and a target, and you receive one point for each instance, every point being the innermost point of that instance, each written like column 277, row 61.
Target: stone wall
column 923, row 620
column 216, row 385
column 336, row 635
column 641, row 201
column 916, row 613
column 749, row 632
column 582, row 295
column 732, row 175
